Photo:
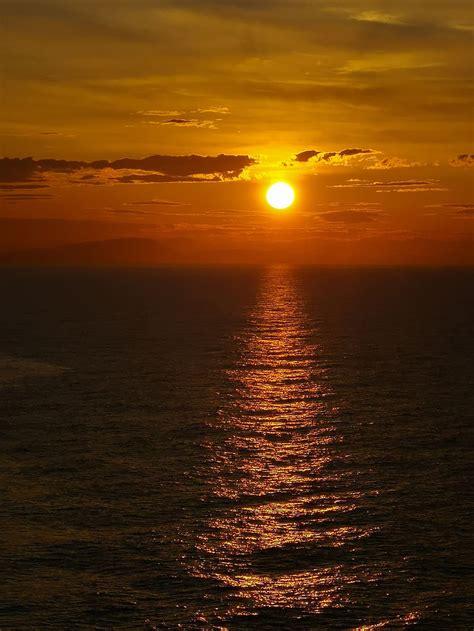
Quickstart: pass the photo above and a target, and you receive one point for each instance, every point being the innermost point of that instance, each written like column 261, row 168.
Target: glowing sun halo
column 280, row 195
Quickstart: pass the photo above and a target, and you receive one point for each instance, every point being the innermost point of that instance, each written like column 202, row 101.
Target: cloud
column 187, row 122
column 34, row 133
column 395, row 186
column 394, row 163
column 219, row 109
column 21, row 187
column 151, row 178
column 354, row 152
column 305, row 156
column 181, row 118
column 164, row 113
column 463, row 160
column 336, row 157
column 222, row 164
column 327, row 156
column 16, row 169
column 126, row 211
column 457, row 206
column 213, row 110
column 156, row 168
column 462, row 26
column 368, row 157
column 14, row 197
column 459, row 210
column 378, row 17
column 155, row 202
column 350, row 216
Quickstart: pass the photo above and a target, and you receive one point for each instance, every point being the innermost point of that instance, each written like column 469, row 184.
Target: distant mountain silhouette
column 145, row 252
column 127, row 251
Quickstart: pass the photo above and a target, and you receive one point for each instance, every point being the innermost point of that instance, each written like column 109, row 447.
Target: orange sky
column 166, row 121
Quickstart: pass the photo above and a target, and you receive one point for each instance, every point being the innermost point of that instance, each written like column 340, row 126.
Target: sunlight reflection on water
column 275, row 467
column 280, row 448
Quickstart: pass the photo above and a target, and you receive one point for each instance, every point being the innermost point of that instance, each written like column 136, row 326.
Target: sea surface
column 236, row 448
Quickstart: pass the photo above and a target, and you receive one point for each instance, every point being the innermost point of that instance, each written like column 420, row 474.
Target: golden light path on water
column 275, row 471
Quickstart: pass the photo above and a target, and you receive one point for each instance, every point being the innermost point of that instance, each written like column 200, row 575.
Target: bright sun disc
column 280, row 195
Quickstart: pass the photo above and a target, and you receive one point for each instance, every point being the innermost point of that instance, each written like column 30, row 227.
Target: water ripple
column 276, row 462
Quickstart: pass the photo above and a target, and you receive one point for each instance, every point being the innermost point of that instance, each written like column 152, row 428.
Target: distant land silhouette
column 147, row 252
column 123, row 252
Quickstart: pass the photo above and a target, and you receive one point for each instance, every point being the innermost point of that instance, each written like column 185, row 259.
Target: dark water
column 266, row 448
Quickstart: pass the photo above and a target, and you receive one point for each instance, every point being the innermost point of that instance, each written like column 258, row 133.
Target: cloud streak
column 458, row 210
column 394, row 186
column 463, row 160
column 188, row 122
column 350, row 216
column 156, row 168
column 156, row 202
column 332, row 157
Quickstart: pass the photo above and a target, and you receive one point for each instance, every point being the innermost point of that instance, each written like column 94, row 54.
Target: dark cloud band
column 326, row 156
column 157, row 168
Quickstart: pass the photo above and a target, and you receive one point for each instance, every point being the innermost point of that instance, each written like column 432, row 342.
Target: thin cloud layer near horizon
column 153, row 128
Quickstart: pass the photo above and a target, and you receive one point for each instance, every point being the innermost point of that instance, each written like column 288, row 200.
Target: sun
column 280, row 195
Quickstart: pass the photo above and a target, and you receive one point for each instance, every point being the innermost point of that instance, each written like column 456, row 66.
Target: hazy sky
column 364, row 106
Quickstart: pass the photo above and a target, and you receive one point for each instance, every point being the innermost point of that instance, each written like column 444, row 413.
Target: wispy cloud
column 458, row 210
column 164, row 113
column 378, row 17
column 350, row 216
column 395, row 186
column 187, row 122
column 155, row 202
column 17, row 186
column 394, row 163
column 15, row 197
column 367, row 158
column 184, row 118
column 213, row 110
column 463, row 160
column 332, row 157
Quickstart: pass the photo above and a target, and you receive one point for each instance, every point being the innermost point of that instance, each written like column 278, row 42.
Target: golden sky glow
column 168, row 121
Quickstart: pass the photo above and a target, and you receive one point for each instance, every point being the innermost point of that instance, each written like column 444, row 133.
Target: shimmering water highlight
column 255, row 448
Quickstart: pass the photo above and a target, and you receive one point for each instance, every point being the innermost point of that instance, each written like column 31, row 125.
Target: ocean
column 236, row 448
